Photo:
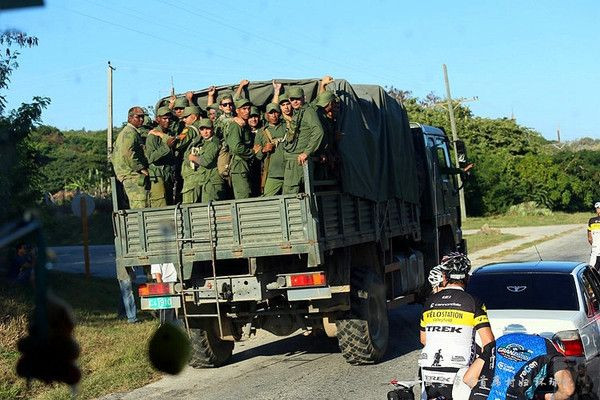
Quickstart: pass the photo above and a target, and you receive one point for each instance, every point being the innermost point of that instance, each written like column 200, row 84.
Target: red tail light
column 154, row 289
column 569, row 343
column 310, row 279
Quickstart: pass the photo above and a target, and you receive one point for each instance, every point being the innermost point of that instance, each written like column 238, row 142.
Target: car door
column 590, row 332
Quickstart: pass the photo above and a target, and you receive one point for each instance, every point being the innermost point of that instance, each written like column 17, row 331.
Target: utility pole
column 109, row 131
column 461, row 192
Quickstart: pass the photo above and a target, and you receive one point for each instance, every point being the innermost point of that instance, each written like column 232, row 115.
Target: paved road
column 299, row 367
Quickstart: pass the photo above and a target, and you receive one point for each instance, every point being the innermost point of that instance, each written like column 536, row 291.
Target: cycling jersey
column 594, row 230
column 515, row 365
column 450, row 319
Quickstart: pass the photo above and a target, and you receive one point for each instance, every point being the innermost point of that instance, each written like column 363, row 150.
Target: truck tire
column 208, row 349
column 363, row 338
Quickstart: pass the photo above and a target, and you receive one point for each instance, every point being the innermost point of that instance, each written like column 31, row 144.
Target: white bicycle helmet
column 436, row 276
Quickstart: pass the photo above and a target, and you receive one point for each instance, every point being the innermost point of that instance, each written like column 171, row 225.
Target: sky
column 535, row 60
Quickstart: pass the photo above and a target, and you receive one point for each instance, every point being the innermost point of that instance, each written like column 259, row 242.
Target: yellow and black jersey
column 594, row 229
column 450, row 319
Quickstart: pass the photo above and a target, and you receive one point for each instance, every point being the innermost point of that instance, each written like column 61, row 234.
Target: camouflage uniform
column 128, row 159
column 274, row 162
column 305, row 136
column 201, row 182
column 239, row 141
column 161, row 170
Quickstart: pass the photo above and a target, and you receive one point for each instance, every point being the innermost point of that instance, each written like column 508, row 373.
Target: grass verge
column 482, row 240
column 505, row 221
column 523, row 246
column 113, row 353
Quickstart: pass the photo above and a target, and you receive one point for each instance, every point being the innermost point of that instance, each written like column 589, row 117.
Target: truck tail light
column 154, row 289
column 306, row 279
column 569, row 343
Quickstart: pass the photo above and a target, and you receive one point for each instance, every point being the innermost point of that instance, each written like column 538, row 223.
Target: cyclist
column 514, row 366
column 593, row 236
column 448, row 325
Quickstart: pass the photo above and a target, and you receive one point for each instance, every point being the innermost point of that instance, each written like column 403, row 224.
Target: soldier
column 201, row 179
column 327, row 108
column 239, row 141
column 178, row 104
column 254, row 123
column 213, row 112
column 129, row 162
column 301, row 142
column 271, row 152
column 161, row 157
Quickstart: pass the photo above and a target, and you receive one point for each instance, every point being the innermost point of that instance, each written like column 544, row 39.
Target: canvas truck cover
column 376, row 148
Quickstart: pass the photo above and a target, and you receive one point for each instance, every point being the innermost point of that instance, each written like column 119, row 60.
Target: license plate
column 160, row 303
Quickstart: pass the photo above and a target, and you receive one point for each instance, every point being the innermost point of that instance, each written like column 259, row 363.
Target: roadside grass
column 113, row 353
column 505, row 221
column 482, row 240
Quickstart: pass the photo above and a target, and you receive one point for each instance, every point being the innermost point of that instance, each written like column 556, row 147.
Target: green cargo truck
column 335, row 258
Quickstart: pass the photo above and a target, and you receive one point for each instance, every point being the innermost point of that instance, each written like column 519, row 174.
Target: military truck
column 334, row 258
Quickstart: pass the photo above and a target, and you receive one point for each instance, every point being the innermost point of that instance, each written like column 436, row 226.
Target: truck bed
column 258, row 227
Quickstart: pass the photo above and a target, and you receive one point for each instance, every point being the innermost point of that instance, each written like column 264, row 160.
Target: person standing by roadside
column 593, row 236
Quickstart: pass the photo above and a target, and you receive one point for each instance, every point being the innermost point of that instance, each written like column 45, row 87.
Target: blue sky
column 538, row 60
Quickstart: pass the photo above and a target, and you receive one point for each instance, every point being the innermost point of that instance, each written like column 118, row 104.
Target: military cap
column 325, row 98
column 273, row 106
column 254, row 111
column 164, row 110
column 205, row 123
column 296, row 92
column 189, row 110
column 223, row 97
column 181, row 102
column 242, row 102
column 213, row 106
column 284, row 98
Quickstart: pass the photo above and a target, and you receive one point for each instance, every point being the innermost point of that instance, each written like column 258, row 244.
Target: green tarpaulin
column 376, row 147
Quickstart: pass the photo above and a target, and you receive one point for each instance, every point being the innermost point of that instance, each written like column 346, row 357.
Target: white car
column 549, row 298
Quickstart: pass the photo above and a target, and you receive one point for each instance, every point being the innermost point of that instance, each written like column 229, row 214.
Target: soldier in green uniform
column 327, row 108
column 161, row 157
column 146, row 127
column 178, row 104
column 213, row 112
column 241, row 147
column 201, row 180
column 129, row 162
column 269, row 139
column 301, row 142
column 254, row 123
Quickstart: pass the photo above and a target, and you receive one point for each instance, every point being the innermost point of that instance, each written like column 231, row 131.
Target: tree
column 19, row 160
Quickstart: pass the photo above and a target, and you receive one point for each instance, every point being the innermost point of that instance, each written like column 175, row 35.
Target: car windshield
column 514, row 291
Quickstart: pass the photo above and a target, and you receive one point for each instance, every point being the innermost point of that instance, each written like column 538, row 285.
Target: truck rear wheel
column 363, row 338
column 208, row 349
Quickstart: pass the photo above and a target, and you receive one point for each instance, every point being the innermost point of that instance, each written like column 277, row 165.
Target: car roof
column 534, row 267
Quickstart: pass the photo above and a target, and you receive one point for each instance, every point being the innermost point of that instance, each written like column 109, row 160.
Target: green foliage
column 514, row 164
column 73, row 160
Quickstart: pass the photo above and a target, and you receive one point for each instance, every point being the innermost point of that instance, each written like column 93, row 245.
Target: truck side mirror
column 461, row 150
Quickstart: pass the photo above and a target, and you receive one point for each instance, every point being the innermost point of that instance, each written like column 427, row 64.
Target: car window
column 515, row 291
column 589, row 295
column 592, row 288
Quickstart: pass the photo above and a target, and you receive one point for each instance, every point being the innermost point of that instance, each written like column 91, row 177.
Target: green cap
column 223, row 97
column 296, row 92
column 205, row 123
column 284, row 98
column 164, row 110
column 254, row 111
column 273, row 106
column 325, row 98
column 181, row 102
column 213, row 106
column 242, row 102
column 189, row 110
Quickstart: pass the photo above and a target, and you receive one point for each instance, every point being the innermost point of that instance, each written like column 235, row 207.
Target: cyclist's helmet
column 456, row 265
column 436, row 276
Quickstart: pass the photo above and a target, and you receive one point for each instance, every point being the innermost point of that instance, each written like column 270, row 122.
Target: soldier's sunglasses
column 226, row 104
